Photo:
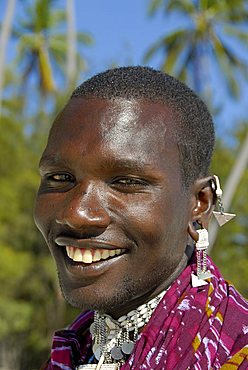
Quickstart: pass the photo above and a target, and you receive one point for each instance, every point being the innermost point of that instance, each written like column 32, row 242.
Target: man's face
column 111, row 204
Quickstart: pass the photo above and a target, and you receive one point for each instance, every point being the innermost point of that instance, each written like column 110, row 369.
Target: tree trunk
column 9, row 356
column 4, row 37
column 71, row 44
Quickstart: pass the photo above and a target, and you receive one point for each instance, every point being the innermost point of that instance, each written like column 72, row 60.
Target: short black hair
column 195, row 134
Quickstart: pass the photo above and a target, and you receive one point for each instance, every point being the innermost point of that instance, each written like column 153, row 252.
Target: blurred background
column 47, row 47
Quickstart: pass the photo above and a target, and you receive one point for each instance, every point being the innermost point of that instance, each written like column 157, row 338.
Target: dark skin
column 111, row 178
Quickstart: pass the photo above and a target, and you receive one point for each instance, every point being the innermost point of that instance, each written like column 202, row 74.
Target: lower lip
column 94, row 269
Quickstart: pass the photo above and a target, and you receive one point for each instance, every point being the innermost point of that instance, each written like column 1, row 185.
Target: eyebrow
column 50, row 161
column 127, row 164
column 115, row 164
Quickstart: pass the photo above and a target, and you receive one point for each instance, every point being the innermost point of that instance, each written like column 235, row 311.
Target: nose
column 84, row 211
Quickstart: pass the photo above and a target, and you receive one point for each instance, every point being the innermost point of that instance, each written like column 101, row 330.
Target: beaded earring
column 202, row 273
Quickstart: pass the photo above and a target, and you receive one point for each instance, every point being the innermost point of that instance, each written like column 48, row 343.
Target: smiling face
column 111, row 204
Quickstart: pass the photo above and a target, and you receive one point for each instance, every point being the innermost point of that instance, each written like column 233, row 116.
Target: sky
column 122, row 32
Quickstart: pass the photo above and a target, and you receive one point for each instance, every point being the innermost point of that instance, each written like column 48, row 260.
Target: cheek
column 44, row 213
column 157, row 222
column 145, row 216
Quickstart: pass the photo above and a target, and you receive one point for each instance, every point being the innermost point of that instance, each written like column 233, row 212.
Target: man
column 124, row 184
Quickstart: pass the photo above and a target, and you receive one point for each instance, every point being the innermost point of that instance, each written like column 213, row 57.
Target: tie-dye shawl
column 192, row 328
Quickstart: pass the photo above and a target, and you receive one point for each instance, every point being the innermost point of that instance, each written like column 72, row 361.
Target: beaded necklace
column 114, row 340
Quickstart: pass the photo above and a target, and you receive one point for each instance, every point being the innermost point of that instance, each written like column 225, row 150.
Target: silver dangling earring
column 202, row 273
column 221, row 216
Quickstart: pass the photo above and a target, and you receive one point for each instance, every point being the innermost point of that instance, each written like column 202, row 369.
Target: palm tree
column 4, row 37
column 42, row 48
column 190, row 50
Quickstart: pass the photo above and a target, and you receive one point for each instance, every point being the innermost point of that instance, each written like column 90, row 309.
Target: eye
column 59, row 181
column 60, row 177
column 129, row 184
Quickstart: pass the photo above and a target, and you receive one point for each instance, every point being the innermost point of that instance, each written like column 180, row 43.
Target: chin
column 104, row 300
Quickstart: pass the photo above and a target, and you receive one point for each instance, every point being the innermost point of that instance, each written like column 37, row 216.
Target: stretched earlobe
column 192, row 232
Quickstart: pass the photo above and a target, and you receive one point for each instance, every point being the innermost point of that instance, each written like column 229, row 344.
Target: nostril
column 60, row 222
column 84, row 217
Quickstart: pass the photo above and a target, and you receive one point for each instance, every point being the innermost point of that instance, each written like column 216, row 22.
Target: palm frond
column 153, row 49
column 183, row 71
column 231, row 57
column 165, row 43
column 42, row 8
column 56, row 18
column 240, row 34
column 174, row 51
column 226, row 68
column 85, row 38
column 185, row 6
column 154, row 6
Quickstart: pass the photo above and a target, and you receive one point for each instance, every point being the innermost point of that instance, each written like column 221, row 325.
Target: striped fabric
column 192, row 328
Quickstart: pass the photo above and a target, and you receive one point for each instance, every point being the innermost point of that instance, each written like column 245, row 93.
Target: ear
column 203, row 202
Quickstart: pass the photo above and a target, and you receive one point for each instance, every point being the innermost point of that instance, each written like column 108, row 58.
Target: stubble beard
column 124, row 292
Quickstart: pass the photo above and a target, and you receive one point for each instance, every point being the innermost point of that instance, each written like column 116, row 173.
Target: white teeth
column 78, row 257
column 70, row 251
column 97, row 256
column 89, row 255
column 105, row 254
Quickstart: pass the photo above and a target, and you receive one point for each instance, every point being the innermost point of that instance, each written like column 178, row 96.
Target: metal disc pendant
column 97, row 353
column 93, row 329
column 116, row 353
column 127, row 347
column 95, row 347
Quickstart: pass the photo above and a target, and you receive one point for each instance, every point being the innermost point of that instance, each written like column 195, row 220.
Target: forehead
column 136, row 128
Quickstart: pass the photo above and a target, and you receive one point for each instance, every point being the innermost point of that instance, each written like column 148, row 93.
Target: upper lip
column 85, row 243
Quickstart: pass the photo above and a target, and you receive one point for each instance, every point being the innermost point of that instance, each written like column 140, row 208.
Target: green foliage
column 188, row 49
column 31, row 306
column 15, row 313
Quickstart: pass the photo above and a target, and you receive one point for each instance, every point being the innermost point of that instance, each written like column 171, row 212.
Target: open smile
column 86, row 252
column 91, row 255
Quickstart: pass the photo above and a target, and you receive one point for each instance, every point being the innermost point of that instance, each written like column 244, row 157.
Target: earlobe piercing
column 202, row 273
column 201, row 240
column 221, row 216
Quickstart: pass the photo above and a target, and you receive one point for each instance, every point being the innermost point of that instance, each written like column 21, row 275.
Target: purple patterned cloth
column 192, row 328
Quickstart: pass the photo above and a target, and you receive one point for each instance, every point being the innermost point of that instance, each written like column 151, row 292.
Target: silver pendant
column 222, row 217
column 205, row 275
column 97, row 353
column 94, row 366
column 93, row 329
column 127, row 347
column 116, row 353
column 196, row 282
